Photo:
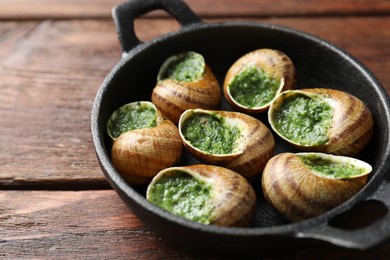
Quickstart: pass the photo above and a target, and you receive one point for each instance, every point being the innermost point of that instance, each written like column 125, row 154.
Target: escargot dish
column 185, row 81
column 305, row 185
column 254, row 80
column 322, row 120
column 144, row 142
column 230, row 139
column 205, row 194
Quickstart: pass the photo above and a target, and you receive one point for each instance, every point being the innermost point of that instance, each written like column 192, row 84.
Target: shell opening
column 253, row 88
column 183, row 67
column 135, row 115
column 211, row 133
column 301, row 118
column 335, row 167
column 183, row 193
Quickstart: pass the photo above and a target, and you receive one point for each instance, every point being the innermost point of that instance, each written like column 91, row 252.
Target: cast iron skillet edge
column 312, row 230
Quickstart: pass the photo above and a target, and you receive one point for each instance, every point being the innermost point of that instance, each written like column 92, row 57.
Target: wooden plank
column 96, row 224
column 49, row 80
column 50, row 73
column 56, row 9
column 271, row 8
column 74, row 225
column 11, row 33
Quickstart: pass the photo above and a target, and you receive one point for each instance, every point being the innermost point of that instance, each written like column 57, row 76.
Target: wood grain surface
column 50, row 76
column 57, row 9
column 54, row 200
column 96, row 224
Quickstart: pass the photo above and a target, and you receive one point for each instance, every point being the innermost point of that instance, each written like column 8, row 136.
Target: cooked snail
column 185, row 81
column 204, row 193
column 254, row 80
column 323, row 120
column 305, row 185
column 229, row 139
column 144, row 142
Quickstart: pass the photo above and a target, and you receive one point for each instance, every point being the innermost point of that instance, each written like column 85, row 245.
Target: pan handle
column 125, row 14
column 362, row 238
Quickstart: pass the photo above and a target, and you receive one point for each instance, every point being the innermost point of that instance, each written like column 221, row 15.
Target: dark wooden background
column 54, row 199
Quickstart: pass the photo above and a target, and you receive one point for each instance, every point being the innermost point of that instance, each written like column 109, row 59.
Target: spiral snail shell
column 254, row 80
column 305, row 185
column 230, row 139
column 322, row 120
column 204, row 193
column 149, row 145
column 185, row 81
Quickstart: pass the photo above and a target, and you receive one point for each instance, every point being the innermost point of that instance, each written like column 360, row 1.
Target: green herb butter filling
column 331, row 169
column 183, row 195
column 210, row 133
column 253, row 87
column 185, row 67
column 304, row 120
column 131, row 116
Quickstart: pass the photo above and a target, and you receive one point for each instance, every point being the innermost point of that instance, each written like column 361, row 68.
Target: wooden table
column 54, row 199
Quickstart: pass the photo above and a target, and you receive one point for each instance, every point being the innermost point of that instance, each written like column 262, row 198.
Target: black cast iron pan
column 318, row 63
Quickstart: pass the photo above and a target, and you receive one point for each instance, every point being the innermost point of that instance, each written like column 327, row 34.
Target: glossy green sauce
column 252, row 87
column 187, row 67
column 131, row 116
column 331, row 169
column 183, row 195
column 210, row 133
column 304, row 120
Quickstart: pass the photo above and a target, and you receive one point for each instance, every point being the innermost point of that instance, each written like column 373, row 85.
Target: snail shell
column 231, row 201
column 140, row 154
column 252, row 149
column 274, row 64
column 173, row 97
column 350, row 128
column 299, row 192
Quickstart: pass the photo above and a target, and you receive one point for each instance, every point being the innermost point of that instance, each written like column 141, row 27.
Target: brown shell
column 256, row 146
column 352, row 126
column 172, row 98
column 233, row 197
column 291, row 187
column 274, row 62
column 141, row 153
